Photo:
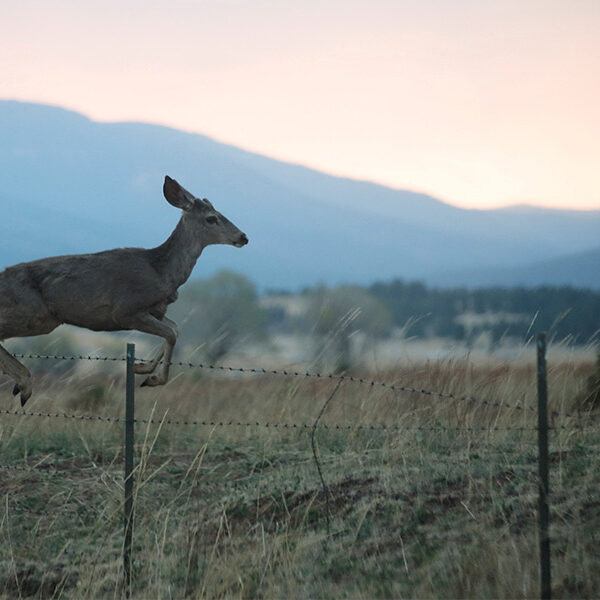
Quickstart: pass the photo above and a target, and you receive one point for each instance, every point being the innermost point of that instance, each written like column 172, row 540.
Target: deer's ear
column 177, row 195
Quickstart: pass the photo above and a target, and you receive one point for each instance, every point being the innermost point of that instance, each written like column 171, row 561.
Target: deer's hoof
column 152, row 381
column 143, row 368
column 25, row 392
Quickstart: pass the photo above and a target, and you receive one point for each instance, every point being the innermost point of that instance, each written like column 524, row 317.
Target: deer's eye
column 212, row 219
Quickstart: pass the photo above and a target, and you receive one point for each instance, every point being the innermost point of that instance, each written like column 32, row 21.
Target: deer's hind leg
column 164, row 328
column 147, row 367
column 23, row 313
column 18, row 372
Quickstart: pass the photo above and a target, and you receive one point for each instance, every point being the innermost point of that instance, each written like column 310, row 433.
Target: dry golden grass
column 445, row 505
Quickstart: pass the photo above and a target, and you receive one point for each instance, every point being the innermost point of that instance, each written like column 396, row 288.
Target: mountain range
column 69, row 185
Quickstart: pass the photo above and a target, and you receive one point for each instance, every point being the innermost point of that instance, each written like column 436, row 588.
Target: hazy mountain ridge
column 69, row 184
column 580, row 270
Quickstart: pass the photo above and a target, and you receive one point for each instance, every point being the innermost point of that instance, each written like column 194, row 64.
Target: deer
column 115, row 290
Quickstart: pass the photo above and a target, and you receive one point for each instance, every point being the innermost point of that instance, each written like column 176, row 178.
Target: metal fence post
column 129, row 440
column 544, row 506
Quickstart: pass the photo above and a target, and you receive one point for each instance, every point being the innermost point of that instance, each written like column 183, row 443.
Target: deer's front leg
column 164, row 328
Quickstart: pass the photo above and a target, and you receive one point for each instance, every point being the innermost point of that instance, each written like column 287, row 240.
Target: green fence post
column 129, row 442
column 544, row 505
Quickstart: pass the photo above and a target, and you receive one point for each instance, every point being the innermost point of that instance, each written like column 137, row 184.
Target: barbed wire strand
column 304, row 374
column 279, row 425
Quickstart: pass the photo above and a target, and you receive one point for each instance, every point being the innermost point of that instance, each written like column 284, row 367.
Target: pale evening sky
column 481, row 104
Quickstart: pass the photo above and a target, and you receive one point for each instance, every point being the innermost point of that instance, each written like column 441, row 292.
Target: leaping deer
column 121, row 289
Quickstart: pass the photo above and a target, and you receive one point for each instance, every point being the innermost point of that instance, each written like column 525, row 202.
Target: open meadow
column 429, row 495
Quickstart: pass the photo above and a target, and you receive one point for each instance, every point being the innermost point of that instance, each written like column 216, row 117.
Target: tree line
column 564, row 312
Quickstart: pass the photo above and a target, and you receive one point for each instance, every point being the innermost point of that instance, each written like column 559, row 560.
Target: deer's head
column 209, row 225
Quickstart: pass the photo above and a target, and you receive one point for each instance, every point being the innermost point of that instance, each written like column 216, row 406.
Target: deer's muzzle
column 241, row 241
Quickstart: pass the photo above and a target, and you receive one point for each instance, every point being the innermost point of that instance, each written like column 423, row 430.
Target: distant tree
column 218, row 313
column 407, row 302
column 334, row 315
column 276, row 318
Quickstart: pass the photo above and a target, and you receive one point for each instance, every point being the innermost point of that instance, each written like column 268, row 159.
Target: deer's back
column 89, row 290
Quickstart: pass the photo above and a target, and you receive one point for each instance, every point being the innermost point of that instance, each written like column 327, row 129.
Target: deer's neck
column 176, row 258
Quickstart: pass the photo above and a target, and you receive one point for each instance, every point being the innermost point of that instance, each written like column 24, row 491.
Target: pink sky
column 481, row 104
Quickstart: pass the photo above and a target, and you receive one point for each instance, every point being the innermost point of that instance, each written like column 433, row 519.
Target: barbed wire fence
column 307, row 375
column 543, row 428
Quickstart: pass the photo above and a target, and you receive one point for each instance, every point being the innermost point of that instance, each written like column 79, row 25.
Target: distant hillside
column 69, row 184
column 580, row 270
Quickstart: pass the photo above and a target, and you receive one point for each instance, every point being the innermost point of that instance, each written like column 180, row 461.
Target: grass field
column 444, row 506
